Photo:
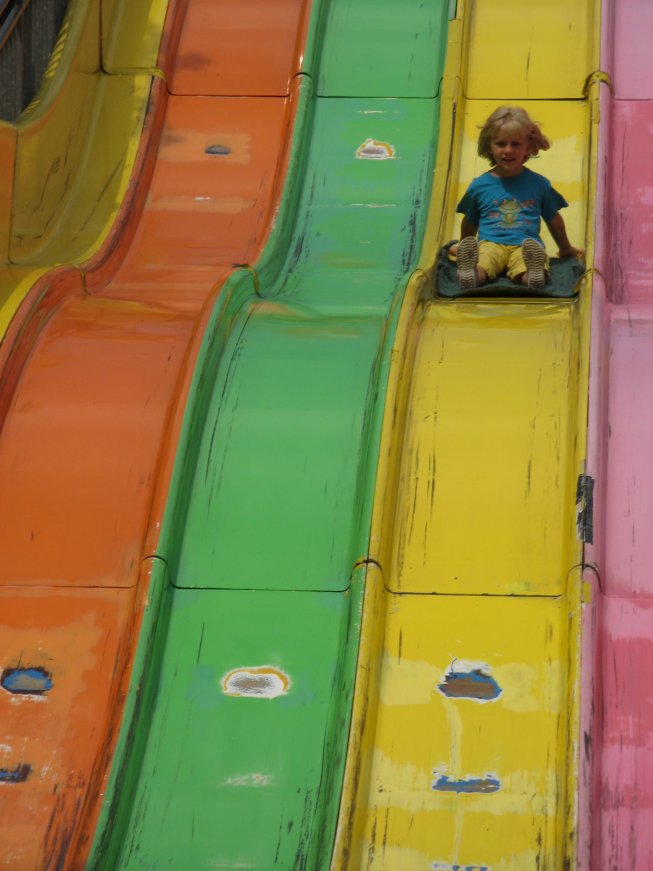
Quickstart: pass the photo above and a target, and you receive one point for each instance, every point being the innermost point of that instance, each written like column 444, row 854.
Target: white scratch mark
column 255, row 779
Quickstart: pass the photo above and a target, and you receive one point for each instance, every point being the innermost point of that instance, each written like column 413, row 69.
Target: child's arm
column 559, row 232
column 467, row 229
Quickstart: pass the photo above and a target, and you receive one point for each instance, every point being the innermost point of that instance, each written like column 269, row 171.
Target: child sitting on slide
column 505, row 205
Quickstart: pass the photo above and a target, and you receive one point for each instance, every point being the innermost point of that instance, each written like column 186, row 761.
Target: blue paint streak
column 19, row 774
column 26, row 681
column 218, row 149
column 483, row 686
column 440, row 866
column 483, row 785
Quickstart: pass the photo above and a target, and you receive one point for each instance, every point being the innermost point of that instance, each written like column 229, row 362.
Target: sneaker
column 535, row 259
column 466, row 259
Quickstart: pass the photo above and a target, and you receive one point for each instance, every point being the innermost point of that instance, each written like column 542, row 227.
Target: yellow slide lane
column 463, row 751
column 69, row 157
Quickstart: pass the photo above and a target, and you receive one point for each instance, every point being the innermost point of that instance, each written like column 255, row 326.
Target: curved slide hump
column 464, row 741
column 232, row 754
column 70, row 155
column 96, row 367
column 621, row 433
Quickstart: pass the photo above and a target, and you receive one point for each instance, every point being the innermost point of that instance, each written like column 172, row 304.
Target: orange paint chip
column 259, row 682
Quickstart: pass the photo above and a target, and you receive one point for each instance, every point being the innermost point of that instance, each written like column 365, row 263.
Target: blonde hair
column 512, row 119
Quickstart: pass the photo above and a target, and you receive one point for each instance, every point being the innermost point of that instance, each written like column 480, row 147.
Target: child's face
column 509, row 151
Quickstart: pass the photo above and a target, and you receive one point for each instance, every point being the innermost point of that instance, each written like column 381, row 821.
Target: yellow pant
column 495, row 259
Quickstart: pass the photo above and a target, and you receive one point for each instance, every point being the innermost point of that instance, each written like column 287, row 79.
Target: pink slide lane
column 618, row 701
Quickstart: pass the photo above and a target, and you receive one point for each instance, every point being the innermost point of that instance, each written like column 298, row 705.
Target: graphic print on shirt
column 509, row 214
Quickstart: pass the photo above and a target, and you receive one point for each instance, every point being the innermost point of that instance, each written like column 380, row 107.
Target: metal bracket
column 585, row 508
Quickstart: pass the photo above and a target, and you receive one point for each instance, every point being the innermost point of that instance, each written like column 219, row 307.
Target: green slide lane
column 233, row 745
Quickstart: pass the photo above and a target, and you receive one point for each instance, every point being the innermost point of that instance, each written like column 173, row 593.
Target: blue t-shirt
column 508, row 210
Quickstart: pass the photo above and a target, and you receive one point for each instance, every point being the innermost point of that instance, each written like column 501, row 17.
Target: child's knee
column 492, row 258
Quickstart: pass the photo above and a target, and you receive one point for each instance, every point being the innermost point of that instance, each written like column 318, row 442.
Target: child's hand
column 571, row 252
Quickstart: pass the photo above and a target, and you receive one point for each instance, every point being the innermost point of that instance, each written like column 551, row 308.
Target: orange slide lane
column 95, row 368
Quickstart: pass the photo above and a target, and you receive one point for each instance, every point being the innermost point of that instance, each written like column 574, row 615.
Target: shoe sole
column 535, row 259
column 466, row 260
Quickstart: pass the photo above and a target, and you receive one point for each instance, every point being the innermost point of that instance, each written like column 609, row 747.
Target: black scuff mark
column 587, row 745
column 301, row 854
column 199, row 647
column 53, row 169
column 230, row 374
column 384, row 842
column 61, row 829
column 298, row 247
column 98, row 197
column 278, row 848
column 301, row 248
column 539, row 840
column 372, row 847
column 408, row 253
